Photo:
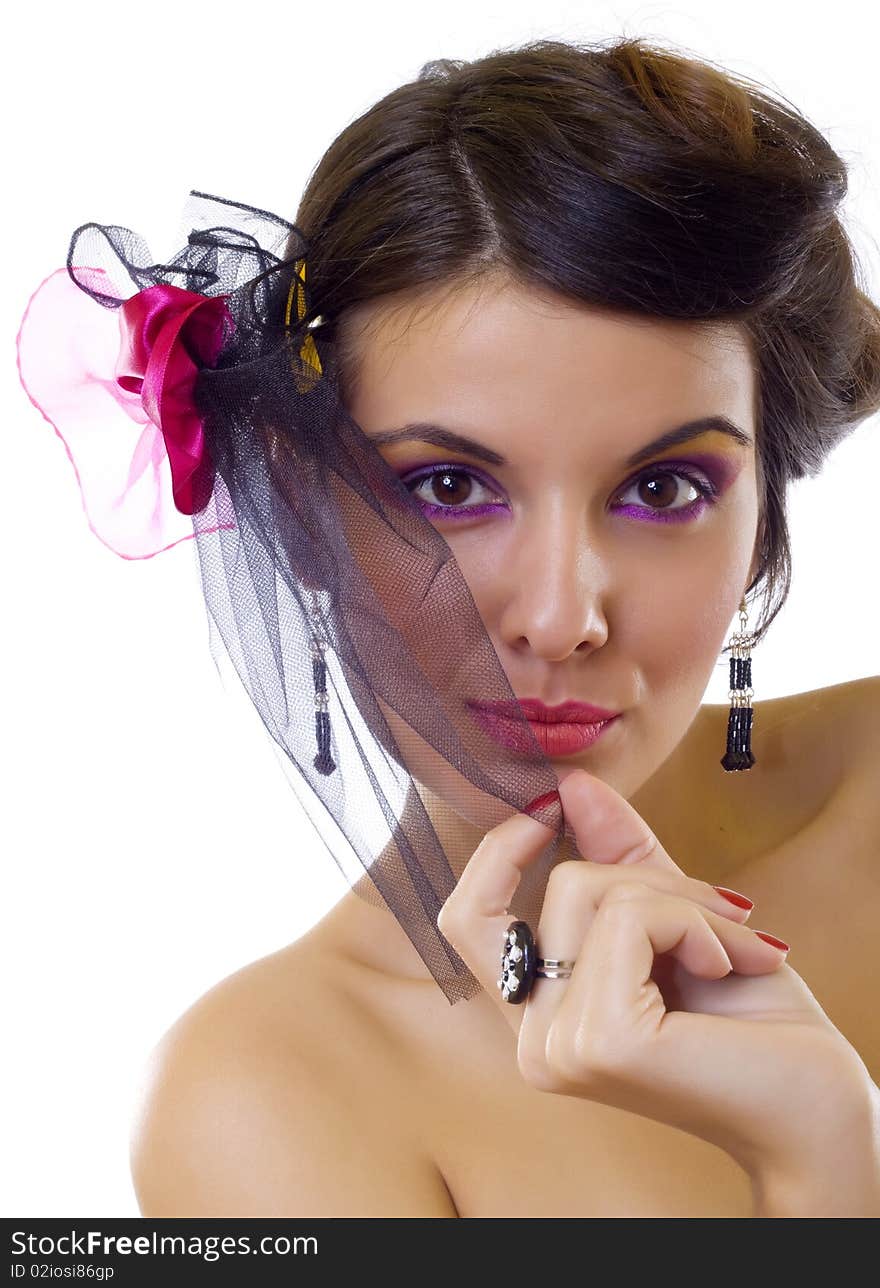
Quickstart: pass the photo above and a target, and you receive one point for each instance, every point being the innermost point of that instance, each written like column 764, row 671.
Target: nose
column 554, row 587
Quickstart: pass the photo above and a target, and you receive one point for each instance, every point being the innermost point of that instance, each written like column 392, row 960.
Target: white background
column 122, row 904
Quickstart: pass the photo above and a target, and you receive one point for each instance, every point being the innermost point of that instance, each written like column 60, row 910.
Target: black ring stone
column 522, row 971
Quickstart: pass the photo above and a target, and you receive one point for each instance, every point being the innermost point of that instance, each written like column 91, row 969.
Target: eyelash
column 708, row 493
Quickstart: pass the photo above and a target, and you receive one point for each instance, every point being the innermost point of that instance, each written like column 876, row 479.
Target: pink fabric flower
column 117, row 386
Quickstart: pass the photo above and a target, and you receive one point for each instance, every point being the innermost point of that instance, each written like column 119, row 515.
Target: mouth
column 555, row 737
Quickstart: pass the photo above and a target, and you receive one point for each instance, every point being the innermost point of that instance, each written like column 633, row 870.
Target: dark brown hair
column 626, row 176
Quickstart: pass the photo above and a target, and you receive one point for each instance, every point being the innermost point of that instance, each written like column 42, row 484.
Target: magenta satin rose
column 167, row 334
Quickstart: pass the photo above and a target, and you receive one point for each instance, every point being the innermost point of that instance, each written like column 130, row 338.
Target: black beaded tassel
column 323, row 762
column 739, row 722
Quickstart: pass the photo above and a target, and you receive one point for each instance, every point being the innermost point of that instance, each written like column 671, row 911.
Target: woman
column 529, row 226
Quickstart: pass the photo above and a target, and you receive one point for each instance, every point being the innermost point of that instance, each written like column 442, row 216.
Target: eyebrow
column 427, row 432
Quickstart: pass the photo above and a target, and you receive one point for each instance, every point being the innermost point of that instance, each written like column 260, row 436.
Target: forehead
column 506, row 348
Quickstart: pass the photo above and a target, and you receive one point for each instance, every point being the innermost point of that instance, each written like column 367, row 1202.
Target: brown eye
column 656, row 493
column 449, row 487
column 447, row 491
column 659, row 489
column 662, row 487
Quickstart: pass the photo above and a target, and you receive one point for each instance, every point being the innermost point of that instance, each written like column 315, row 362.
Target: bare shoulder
column 861, row 699
column 846, row 719
column 841, row 725
column 267, row 1097
column 848, row 699
column 856, row 697
column 810, row 746
column 856, row 725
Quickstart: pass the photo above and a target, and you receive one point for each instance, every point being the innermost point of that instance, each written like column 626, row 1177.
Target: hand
column 675, row 1009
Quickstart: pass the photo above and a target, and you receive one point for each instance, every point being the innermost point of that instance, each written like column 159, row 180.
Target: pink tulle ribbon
column 117, row 387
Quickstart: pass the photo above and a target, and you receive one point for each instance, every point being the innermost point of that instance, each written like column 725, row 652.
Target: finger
column 576, row 888
column 606, row 827
column 610, row 993
column 575, row 891
column 476, row 915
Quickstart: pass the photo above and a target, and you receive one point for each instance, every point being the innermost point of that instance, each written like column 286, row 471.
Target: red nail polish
column 739, row 899
column 771, row 939
column 539, row 802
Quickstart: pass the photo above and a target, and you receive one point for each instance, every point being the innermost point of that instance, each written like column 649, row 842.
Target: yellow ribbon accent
column 308, row 350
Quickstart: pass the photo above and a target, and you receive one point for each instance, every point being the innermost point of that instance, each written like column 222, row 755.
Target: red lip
column 534, row 709
column 556, row 738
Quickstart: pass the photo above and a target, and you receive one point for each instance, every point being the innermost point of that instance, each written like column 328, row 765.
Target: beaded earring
column 739, row 722
column 323, row 762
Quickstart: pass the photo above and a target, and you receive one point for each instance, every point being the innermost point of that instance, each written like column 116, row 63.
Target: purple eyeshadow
column 684, row 513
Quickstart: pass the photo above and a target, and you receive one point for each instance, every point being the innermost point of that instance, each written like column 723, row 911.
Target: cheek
column 675, row 628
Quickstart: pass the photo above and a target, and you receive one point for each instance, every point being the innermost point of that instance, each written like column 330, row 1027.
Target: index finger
column 475, row 917
column 606, row 827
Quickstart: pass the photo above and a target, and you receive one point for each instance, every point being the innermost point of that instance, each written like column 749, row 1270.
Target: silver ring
column 554, row 967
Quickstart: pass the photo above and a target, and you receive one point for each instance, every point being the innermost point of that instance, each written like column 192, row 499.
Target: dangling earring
column 739, row 722
column 323, row 762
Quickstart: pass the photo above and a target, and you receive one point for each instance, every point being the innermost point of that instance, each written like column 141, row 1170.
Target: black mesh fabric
column 304, row 514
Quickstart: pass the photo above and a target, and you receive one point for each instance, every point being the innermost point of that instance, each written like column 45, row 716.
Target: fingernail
column 739, row 899
column 771, row 939
column 539, row 802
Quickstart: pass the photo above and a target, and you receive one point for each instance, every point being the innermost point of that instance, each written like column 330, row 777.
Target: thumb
column 606, row 827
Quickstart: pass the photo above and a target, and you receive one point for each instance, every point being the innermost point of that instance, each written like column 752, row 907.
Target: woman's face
column 596, row 578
